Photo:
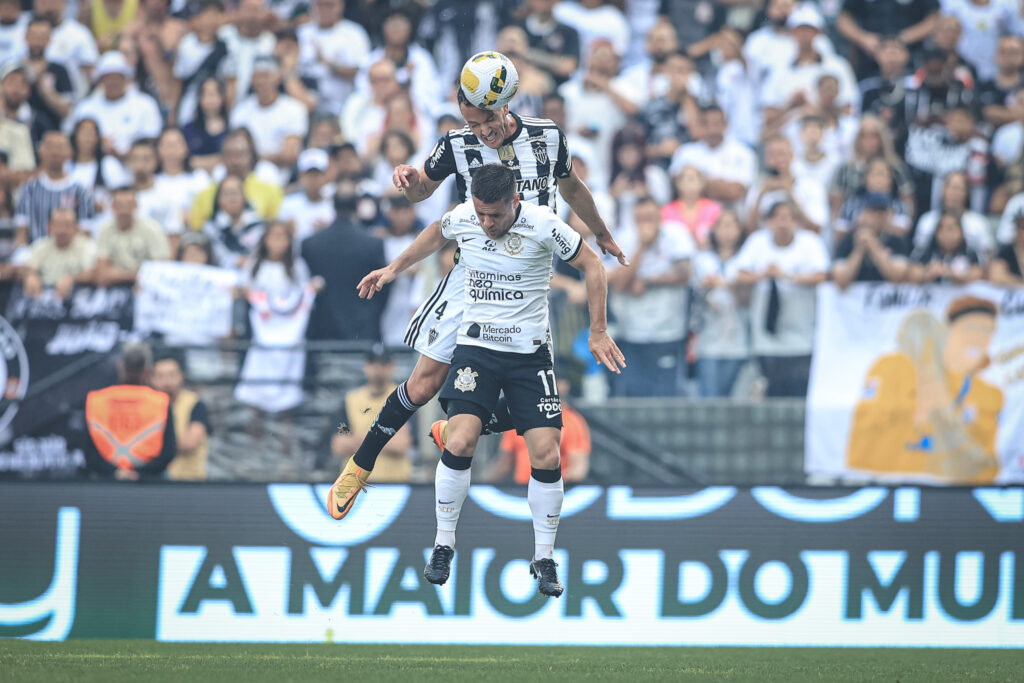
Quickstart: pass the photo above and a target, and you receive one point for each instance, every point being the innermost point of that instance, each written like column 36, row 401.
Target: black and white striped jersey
column 537, row 152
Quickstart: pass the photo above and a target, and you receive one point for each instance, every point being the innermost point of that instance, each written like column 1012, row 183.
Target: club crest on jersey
column 540, row 151
column 513, row 244
column 465, row 379
column 506, row 152
column 432, row 335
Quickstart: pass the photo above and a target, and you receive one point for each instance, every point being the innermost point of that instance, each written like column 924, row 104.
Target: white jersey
column 507, row 280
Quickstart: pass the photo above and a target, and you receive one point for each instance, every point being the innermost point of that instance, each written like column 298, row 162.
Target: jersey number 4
column 439, row 311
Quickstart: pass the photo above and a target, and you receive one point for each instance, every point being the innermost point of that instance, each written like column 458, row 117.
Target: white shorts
column 434, row 328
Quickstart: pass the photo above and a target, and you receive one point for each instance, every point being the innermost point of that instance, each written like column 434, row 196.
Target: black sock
column 396, row 412
column 546, row 476
column 501, row 418
column 454, row 462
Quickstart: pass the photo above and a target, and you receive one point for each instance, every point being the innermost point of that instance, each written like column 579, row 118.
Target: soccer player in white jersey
column 538, row 154
column 502, row 346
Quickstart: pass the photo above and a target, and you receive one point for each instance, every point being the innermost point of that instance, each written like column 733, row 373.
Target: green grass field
column 110, row 661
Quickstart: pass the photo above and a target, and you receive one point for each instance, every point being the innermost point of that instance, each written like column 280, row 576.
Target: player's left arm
column 604, row 349
column 581, row 201
column 426, row 243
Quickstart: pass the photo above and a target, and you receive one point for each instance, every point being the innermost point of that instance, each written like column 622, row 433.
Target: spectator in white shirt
column 595, row 20
column 200, row 55
column 795, row 83
column 177, row 179
column 333, row 50
column 12, row 31
column 311, row 209
column 728, row 165
column 278, row 122
column 246, row 40
column 71, row 44
column 808, row 198
column 773, row 45
column 162, row 208
column 415, row 68
column 649, row 299
column 363, row 114
column 599, row 102
column 405, row 297
column 955, row 193
column 785, row 264
column 982, row 22
column 648, row 77
column 123, row 113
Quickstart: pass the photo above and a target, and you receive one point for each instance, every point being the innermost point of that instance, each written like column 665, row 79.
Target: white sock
column 546, row 505
column 450, row 490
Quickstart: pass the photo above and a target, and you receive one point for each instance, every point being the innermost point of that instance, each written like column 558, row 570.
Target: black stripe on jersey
column 539, row 147
column 474, row 160
column 538, row 122
column 579, row 248
column 417, row 324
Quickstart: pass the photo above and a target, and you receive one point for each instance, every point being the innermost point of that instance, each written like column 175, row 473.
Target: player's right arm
column 604, row 349
column 420, row 183
column 425, row 244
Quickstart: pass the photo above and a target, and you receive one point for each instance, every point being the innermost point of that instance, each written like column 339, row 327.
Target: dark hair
column 39, row 19
column 493, row 183
column 244, row 133
column 97, row 152
column 170, row 354
column 210, row 4
column 711, row 109
column 630, row 135
column 220, row 186
column 713, row 239
column 403, row 137
column 61, row 207
column 187, row 163
column 289, row 254
column 198, row 239
column 200, row 117
column 962, row 247
column 144, row 142
column 122, row 190
column 645, row 199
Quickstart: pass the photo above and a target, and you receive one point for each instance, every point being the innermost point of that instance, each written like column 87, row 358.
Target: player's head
column 487, row 83
column 495, row 199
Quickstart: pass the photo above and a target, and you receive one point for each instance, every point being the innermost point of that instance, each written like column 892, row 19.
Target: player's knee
column 461, row 442
column 546, row 458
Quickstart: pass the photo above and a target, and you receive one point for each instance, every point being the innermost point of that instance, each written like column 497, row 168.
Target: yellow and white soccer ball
column 489, row 80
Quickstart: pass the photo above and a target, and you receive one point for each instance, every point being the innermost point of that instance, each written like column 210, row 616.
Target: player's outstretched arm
column 414, row 182
column 604, row 349
column 425, row 244
column 581, row 201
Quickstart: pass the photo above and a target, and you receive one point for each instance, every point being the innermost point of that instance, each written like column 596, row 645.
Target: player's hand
column 405, row 177
column 608, row 245
column 375, row 281
column 605, row 351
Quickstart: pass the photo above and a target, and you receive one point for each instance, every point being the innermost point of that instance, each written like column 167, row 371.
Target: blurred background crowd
column 743, row 152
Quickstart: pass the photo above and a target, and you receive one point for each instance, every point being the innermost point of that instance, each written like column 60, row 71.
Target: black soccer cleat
column 547, row 578
column 440, row 565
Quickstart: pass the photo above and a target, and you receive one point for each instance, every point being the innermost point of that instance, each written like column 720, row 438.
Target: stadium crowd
column 742, row 153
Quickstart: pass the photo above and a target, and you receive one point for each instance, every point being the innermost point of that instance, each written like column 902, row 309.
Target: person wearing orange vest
column 131, row 427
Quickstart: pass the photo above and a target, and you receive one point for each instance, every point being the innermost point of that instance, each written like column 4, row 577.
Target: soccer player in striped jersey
column 537, row 152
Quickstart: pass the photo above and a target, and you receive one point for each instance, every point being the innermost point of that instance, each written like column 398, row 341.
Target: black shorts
column 478, row 375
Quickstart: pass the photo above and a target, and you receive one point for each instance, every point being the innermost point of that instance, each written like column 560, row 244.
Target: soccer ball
column 489, row 80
